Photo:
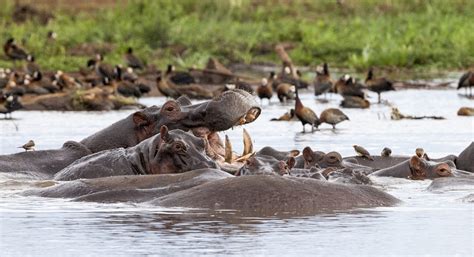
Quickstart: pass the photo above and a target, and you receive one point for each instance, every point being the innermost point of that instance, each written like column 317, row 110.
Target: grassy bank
column 416, row 34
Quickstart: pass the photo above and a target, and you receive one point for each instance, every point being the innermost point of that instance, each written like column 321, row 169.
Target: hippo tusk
column 248, row 146
column 228, row 150
column 244, row 157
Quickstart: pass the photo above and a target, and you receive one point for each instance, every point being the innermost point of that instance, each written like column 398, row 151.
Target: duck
column 287, row 116
column 33, row 69
column 322, row 82
column 132, row 60
column 305, row 114
column 332, row 116
column 285, row 92
column 13, row 51
column 466, row 81
column 346, row 86
column 378, row 85
column 265, row 90
column 106, row 72
column 165, row 88
column 178, row 77
column 8, row 104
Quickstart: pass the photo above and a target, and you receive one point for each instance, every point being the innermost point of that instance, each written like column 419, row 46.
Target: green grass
column 414, row 34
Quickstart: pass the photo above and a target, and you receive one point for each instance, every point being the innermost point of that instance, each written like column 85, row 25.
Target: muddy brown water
column 426, row 223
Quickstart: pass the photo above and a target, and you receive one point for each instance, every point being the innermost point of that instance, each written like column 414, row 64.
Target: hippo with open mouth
column 233, row 107
column 173, row 151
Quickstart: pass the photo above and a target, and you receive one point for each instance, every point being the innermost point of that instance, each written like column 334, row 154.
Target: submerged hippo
column 215, row 189
column 234, row 107
column 419, row 168
column 173, row 151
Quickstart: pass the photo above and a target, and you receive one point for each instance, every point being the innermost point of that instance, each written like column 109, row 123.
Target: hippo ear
column 308, row 154
column 291, row 163
column 140, row 119
column 164, row 135
column 415, row 161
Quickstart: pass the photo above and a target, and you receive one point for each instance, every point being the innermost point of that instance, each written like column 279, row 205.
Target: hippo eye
column 170, row 108
column 179, row 147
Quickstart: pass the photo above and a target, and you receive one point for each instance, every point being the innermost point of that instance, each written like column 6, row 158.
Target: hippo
column 465, row 160
column 214, row 189
column 173, row 151
column 419, row 168
column 233, row 107
column 450, row 183
column 265, row 165
column 276, row 196
column 129, row 188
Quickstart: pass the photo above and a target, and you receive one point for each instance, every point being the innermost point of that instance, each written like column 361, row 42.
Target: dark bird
column 386, row 152
column 179, row 77
column 467, row 81
column 346, row 86
column 285, row 92
column 378, row 85
column 8, row 104
column 105, row 71
column 265, row 90
column 305, row 114
column 322, row 82
column 13, row 51
column 33, row 69
column 165, row 88
column 332, row 116
column 285, row 117
column 132, row 60
column 29, row 146
column 362, row 152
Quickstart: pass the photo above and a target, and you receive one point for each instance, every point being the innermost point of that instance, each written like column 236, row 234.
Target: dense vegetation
column 431, row 34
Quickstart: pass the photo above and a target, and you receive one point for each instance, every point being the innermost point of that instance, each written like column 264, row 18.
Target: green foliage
column 357, row 34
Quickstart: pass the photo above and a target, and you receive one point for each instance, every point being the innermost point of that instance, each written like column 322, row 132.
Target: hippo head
column 172, row 151
column 320, row 159
column 421, row 169
column 266, row 165
column 232, row 108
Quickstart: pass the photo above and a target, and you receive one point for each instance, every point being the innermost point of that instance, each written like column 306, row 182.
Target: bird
column 346, row 86
column 33, row 69
column 420, row 152
column 322, row 81
column 165, row 88
column 286, row 117
column 179, row 77
column 305, row 114
column 8, row 104
column 132, row 60
column 285, row 92
column 265, row 90
column 386, row 152
column 13, row 51
column 378, row 85
column 362, row 152
column 105, row 71
column 332, row 116
column 29, row 146
column 466, row 81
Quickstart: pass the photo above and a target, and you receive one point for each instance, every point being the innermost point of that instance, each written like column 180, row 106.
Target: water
column 426, row 224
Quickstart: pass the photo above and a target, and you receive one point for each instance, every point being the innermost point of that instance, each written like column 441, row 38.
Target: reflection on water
column 425, row 224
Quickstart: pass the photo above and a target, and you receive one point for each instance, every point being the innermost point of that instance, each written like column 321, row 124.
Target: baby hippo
column 172, row 151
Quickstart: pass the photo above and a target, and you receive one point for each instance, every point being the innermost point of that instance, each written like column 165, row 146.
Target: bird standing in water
column 30, row 146
column 305, row 114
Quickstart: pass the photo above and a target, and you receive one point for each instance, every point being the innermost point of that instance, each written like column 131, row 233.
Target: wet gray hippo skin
column 418, row 168
column 128, row 188
column 232, row 108
column 172, row 151
column 276, row 195
column 379, row 162
column 279, row 155
column 465, row 160
column 443, row 184
column 265, row 165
